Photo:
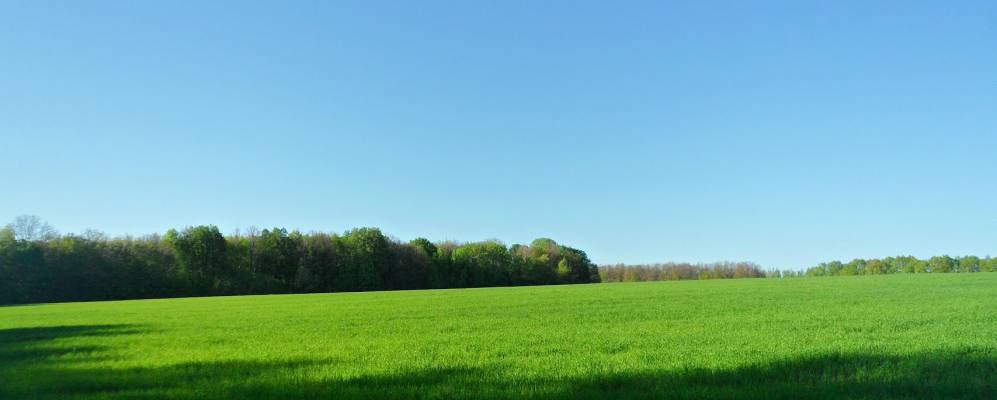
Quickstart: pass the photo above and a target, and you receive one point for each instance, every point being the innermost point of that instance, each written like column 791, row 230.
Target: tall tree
column 31, row 228
column 201, row 255
column 368, row 259
column 277, row 254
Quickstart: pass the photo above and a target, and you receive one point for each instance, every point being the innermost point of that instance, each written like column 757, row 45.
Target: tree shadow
column 36, row 344
column 49, row 333
column 36, row 364
column 967, row 373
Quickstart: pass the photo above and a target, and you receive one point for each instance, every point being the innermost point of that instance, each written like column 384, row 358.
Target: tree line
column 904, row 264
column 39, row 265
column 679, row 271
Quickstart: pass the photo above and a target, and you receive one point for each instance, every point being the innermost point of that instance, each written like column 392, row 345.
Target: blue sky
column 785, row 133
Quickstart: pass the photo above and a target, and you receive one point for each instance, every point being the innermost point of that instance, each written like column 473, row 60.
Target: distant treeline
column 679, row 271
column 905, row 264
column 37, row 265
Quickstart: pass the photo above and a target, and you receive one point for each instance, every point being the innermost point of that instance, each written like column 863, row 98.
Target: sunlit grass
column 904, row 336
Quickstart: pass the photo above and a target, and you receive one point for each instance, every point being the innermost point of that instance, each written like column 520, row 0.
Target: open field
column 900, row 336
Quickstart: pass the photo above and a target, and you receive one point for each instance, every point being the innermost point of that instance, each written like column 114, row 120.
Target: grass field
column 900, row 336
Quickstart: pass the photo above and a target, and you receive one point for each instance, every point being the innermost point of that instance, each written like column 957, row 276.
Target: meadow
column 889, row 336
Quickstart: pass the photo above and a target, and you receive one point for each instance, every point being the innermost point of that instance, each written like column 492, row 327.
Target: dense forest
column 679, row 271
column 728, row 270
column 905, row 264
column 38, row 265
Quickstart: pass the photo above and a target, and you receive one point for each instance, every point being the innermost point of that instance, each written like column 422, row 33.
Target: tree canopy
column 42, row 266
column 904, row 264
column 37, row 264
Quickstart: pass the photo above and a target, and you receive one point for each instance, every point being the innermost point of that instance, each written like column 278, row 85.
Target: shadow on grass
column 36, row 363
column 37, row 344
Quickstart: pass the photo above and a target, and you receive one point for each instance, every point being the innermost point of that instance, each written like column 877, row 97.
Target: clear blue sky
column 785, row 133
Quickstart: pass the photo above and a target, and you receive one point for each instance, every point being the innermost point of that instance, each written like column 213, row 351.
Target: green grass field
column 900, row 336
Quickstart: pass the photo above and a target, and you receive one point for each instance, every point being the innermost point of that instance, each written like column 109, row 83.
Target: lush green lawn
column 902, row 336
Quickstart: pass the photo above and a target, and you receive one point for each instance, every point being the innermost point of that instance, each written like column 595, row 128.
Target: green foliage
column 969, row 264
column 563, row 271
column 874, row 267
column 277, row 254
column 22, row 265
column 201, row 256
column 678, row 271
column 322, row 262
column 199, row 260
column 880, row 337
column 904, row 264
column 7, row 236
column 368, row 259
column 853, row 267
column 425, row 246
column 486, row 263
column 988, row 264
column 942, row 264
column 12, row 272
